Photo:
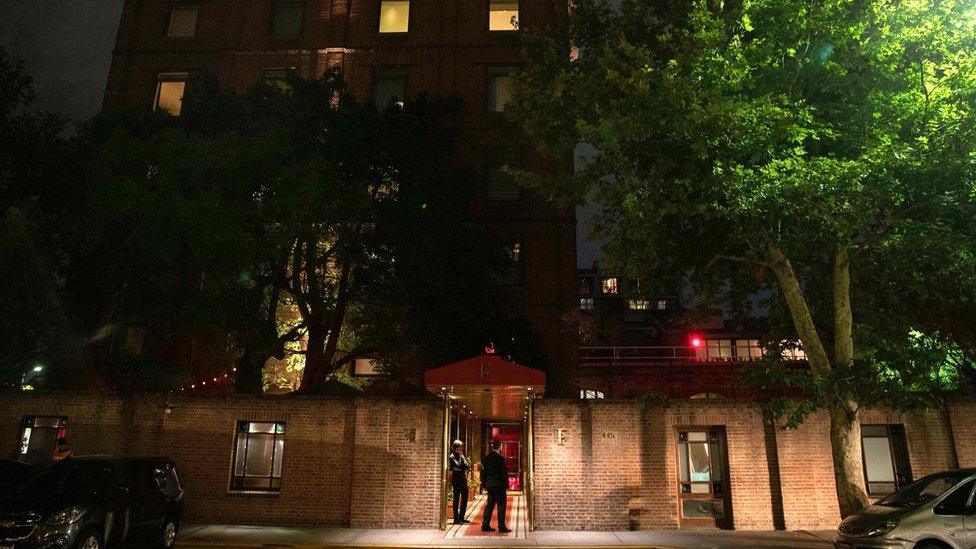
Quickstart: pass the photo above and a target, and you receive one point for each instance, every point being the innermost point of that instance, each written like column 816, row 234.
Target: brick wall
column 376, row 462
column 341, row 457
column 616, row 468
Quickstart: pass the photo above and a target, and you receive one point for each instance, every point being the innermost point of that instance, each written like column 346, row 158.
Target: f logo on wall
column 561, row 437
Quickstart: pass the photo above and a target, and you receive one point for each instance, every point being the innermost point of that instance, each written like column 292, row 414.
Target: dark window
column 182, row 21
column 886, row 467
column 585, row 285
column 499, row 87
column 502, row 186
column 286, row 19
column 39, row 436
column 389, row 87
column 257, row 455
column 277, row 78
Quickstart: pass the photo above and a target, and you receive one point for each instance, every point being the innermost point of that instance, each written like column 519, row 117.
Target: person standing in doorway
column 459, row 481
column 494, row 477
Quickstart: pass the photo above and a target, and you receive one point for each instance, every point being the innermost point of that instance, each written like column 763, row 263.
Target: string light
column 220, row 378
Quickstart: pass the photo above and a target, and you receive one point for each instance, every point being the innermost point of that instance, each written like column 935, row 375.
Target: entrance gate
column 498, row 395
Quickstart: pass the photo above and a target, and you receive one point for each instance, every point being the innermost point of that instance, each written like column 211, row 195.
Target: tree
column 291, row 213
column 803, row 139
column 36, row 195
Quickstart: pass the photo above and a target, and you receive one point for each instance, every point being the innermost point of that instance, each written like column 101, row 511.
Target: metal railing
column 620, row 354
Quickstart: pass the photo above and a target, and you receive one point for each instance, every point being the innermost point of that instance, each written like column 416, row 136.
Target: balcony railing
column 671, row 354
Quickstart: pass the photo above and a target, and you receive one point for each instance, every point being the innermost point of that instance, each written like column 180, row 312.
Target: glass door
column 510, row 435
column 703, row 493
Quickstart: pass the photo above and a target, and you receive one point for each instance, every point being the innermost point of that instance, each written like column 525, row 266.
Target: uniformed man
column 494, row 477
column 459, row 481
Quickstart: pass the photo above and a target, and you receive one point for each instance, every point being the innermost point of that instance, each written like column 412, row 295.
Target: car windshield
column 68, row 479
column 924, row 490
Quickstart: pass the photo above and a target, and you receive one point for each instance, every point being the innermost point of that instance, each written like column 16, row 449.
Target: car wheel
column 89, row 540
column 167, row 534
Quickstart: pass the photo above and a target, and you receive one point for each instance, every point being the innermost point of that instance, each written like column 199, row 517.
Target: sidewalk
column 215, row 535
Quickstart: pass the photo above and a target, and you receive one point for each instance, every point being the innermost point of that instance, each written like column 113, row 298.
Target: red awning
column 485, row 371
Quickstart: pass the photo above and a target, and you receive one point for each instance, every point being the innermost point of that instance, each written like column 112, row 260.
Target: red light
column 695, row 342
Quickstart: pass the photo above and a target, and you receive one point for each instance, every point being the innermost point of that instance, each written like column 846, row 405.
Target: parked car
column 13, row 474
column 935, row 512
column 94, row 502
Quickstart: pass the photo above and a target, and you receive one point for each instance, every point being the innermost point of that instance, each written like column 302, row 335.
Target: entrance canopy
column 488, row 386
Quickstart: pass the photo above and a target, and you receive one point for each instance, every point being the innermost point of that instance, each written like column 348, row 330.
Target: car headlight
column 68, row 516
column 883, row 528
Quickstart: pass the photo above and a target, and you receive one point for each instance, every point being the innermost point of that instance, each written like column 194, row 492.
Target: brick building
column 387, row 50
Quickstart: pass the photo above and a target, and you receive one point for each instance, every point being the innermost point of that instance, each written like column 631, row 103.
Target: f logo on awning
column 561, row 437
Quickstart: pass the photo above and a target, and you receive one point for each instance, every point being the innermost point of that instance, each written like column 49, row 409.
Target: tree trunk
column 315, row 359
column 249, row 379
column 799, row 312
column 845, row 444
column 845, row 431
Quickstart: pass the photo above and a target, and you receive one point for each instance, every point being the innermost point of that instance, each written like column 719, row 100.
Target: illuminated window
column 502, row 186
column 503, row 15
column 748, row 349
column 39, row 436
column 638, row 304
column 368, row 367
column 169, row 92
column 792, row 351
column 182, row 21
column 609, row 285
column 286, row 19
column 662, row 304
column 590, row 394
column 586, row 303
column 394, row 15
column 257, row 456
column 389, row 87
column 718, row 348
column 885, row 456
column 585, row 285
column 499, row 88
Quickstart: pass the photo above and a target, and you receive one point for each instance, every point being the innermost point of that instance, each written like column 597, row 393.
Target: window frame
column 497, row 159
column 379, row 18
column 170, row 76
column 518, row 16
column 170, row 10
column 587, row 304
column 238, row 481
column 24, row 437
column 301, row 21
column 900, row 458
column 390, row 74
column 493, row 72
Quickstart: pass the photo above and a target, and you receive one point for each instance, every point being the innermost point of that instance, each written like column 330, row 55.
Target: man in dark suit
column 494, row 477
column 459, row 482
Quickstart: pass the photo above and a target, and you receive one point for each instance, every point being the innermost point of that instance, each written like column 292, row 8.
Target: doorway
column 703, row 487
column 510, row 435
